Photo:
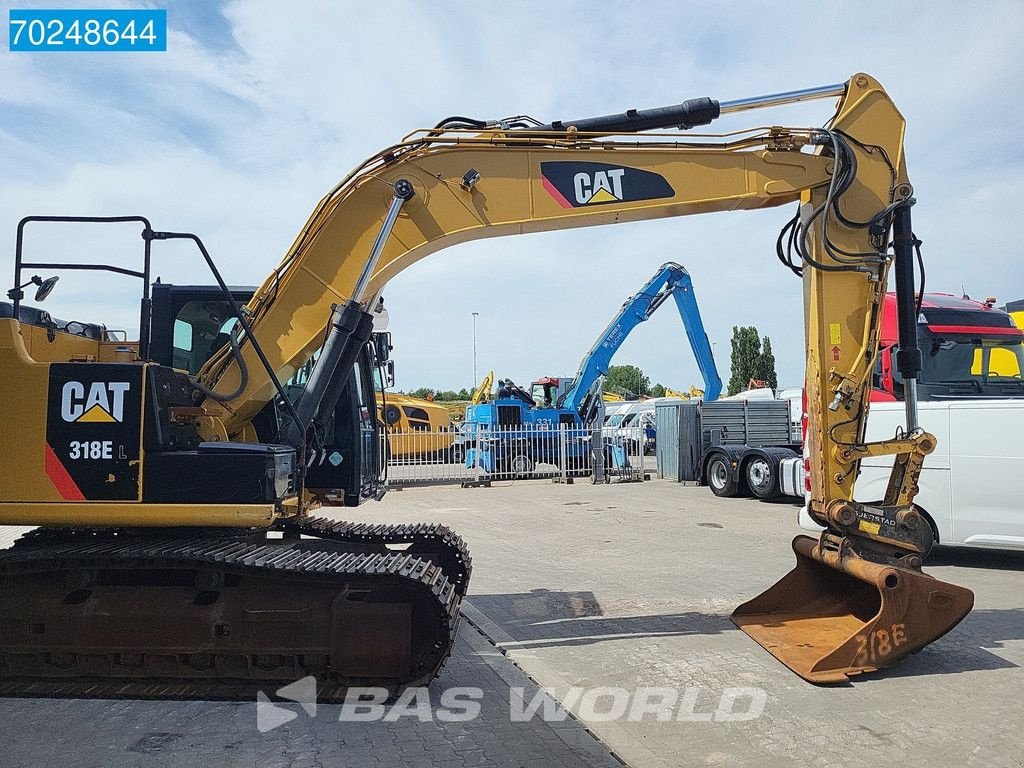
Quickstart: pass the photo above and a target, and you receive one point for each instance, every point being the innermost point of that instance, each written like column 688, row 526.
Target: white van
column 610, row 409
column 972, row 486
column 626, row 423
column 634, row 422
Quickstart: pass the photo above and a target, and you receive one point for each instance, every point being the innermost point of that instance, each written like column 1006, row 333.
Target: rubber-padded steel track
column 218, row 615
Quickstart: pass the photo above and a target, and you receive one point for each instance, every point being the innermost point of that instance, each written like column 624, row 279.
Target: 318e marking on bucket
column 879, row 643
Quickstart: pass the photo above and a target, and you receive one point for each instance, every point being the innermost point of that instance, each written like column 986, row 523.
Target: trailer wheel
column 521, row 465
column 458, row 453
column 719, row 477
column 762, row 478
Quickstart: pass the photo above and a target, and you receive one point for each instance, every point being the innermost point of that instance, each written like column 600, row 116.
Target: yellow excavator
column 693, row 393
column 415, row 428
column 483, row 391
column 178, row 549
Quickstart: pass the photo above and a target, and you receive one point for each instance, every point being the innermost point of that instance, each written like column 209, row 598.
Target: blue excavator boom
column 670, row 280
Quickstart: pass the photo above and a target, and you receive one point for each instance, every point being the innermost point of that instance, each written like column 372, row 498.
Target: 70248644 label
column 38, row 30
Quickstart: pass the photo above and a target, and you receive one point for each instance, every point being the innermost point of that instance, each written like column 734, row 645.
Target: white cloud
column 239, row 143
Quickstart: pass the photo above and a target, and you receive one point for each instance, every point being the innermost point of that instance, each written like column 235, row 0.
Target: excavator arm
column 686, row 303
column 483, row 389
column 670, row 280
column 438, row 188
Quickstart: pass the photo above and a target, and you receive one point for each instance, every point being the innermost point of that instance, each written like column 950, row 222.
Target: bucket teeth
column 835, row 616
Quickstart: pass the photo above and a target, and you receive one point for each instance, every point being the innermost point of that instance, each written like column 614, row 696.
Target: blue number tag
column 38, row 29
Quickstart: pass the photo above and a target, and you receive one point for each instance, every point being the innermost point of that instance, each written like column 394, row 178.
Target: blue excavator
column 535, row 419
column 670, row 280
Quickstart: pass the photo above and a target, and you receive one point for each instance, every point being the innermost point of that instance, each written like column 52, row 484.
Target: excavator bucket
column 833, row 617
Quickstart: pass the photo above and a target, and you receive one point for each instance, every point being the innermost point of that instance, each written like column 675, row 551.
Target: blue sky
column 257, row 108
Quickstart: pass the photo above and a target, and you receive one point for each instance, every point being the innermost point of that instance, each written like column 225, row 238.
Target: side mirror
column 887, row 379
column 380, row 317
column 45, row 286
column 389, row 373
column 382, row 346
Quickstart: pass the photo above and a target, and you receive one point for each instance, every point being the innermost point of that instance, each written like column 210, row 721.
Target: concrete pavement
column 594, row 592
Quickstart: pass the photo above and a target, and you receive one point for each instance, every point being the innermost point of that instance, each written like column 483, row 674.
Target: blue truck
column 513, row 435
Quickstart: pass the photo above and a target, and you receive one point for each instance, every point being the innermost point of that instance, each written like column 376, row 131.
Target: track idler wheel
column 837, row 615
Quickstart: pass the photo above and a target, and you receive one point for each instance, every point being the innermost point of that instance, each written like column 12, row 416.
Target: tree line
column 441, row 395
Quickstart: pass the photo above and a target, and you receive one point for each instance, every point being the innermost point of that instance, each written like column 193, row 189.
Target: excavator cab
column 191, row 323
column 545, row 391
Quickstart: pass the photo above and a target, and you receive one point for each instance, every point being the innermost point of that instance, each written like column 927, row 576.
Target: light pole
column 475, row 379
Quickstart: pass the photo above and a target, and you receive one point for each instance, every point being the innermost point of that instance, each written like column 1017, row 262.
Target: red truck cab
column 970, row 350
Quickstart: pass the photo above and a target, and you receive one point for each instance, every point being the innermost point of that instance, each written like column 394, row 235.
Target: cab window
column 200, row 329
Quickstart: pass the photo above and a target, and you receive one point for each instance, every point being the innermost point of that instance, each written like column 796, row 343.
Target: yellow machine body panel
column 74, row 453
column 24, row 386
column 415, row 428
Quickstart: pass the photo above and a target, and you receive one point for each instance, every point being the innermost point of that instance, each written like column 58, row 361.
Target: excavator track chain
column 211, row 614
column 447, row 549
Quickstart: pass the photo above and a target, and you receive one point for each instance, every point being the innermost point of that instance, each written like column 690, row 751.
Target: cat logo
column 103, row 403
column 602, row 187
column 575, row 185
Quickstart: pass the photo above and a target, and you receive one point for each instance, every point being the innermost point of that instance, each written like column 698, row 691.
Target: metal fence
column 469, row 456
